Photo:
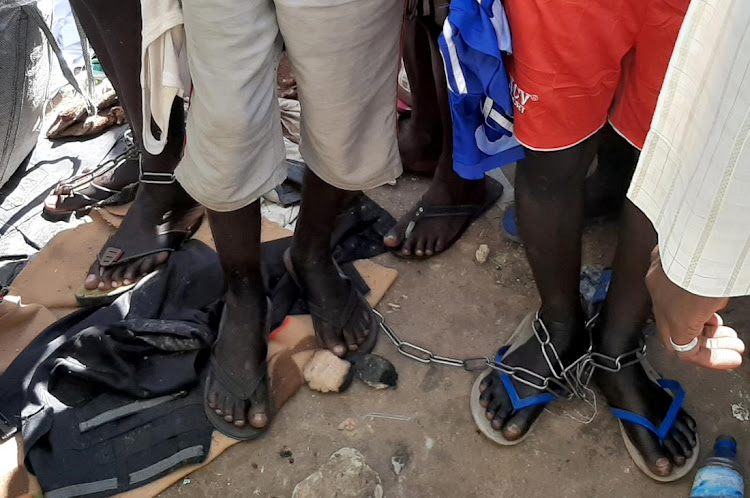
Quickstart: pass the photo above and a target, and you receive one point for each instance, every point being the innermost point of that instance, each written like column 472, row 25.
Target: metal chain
column 130, row 152
column 565, row 381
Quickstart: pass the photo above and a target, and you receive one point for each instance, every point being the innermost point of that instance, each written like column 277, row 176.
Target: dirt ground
column 455, row 306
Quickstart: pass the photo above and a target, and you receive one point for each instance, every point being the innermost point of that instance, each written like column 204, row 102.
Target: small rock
column 344, row 475
column 740, row 412
column 399, row 460
column 326, row 372
column 348, row 425
column 285, row 452
column 483, row 253
column 374, row 370
column 394, row 306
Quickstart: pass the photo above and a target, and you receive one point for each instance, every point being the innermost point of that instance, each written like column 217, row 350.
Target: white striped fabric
column 693, row 177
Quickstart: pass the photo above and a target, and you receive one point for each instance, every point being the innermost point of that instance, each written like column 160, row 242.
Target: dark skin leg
column 420, row 135
column 624, row 316
column 605, row 189
column 432, row 236
column 242, row 344
column 549, row 190
column 312, row 258
column 114, row 30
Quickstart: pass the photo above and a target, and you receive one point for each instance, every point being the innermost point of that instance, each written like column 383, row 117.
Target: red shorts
column 578, row 63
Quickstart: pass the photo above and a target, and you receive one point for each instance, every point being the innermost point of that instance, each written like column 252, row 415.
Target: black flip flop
column 422, row 211
column 338, row 318
column 242, row 391
column 111, row 255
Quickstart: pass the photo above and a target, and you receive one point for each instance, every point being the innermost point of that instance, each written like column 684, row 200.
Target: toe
column 105, row 280
column 118, row 275
column 429, row 248
column 520, row 423
column 420, row 247
column 259, row 408
column 486, row 397
column 392, row 238
column 212, row 399
column 220, row 400
column 238, row 414
column 674, row 450
column 485, row 383
column 654, row 454
column 350, row 338
column 439, row 245
column 688, row 434
column 686, row 449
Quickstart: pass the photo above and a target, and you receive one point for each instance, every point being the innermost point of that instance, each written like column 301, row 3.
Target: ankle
column 611, row 340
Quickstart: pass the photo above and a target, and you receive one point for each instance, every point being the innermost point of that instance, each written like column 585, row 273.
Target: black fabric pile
column 111, row 399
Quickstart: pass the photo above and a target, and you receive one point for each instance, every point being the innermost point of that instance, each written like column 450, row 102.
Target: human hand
column 683, row 316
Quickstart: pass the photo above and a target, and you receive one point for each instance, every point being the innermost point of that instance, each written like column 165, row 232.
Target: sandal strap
column 167, row 241
column 240, row 390
column 669, row 419
column 516, row 400
column 445, row 211
column 334, row 317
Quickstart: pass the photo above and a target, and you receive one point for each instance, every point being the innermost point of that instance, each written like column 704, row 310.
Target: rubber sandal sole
column 640, row 462
column 493, row 193
column 520, row 336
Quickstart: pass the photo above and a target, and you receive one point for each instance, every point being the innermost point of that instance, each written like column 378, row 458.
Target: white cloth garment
column 693, row 177
column 164, row 67
column 344, row 57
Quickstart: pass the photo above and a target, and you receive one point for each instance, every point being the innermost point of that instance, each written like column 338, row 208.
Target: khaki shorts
column 344, row 55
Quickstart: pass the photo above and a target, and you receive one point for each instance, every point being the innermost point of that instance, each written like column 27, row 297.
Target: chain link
column 130, row 152
column 565, row 381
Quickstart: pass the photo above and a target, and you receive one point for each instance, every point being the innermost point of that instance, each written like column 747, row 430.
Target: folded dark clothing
column 110, row 399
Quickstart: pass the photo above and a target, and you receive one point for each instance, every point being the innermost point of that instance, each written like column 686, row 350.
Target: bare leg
column 549, row 189
column 242, row 344
column 114, row 30
column 314, row 266
column 620, row 330
column 432, row 236
column 420, row 135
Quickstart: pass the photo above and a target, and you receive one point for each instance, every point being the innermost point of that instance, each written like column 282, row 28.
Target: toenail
column 228, row 418
column 513, row 430
column 126, row 281
column 101, row 285
column 239, row 423
column 115, row 283
column 490, row 415
column 218, row 411
column 662, row 463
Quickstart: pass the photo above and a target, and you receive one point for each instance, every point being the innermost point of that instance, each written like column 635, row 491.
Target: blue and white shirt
column 475, row 35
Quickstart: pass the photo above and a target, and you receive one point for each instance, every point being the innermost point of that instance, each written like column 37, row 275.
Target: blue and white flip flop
column 678, row 395
column 523, row 333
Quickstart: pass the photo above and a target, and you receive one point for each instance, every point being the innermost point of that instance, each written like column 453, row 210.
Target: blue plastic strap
column 518, row 402
column 663, row 430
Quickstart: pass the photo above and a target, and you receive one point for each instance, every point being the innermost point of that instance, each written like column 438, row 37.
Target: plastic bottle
column 720, row 476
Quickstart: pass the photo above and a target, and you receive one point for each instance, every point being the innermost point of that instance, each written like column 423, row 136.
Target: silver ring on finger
column 684, row 348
